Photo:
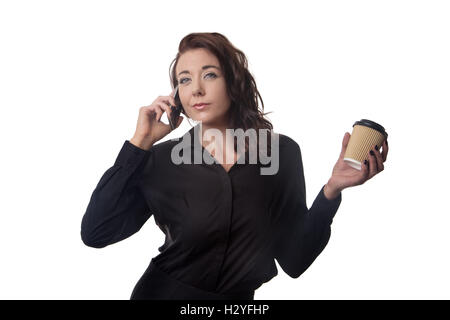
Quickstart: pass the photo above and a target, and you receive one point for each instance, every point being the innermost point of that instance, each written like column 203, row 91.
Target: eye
column 210, row 73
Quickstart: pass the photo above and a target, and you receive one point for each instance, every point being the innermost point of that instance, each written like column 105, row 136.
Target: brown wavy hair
column 241, row 86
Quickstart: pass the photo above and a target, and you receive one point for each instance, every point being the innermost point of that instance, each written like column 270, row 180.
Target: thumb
column 345, row 141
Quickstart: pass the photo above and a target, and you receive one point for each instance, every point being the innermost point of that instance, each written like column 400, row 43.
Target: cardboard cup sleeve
column 365, row 134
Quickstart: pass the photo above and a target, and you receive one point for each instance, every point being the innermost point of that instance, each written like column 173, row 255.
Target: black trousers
column 155, row 284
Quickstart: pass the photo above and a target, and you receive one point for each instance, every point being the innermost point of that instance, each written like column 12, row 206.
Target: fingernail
column 372, row 153
column 365, row 162
column 376, row 147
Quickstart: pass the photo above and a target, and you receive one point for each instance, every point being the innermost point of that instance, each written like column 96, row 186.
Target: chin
column 203, row 118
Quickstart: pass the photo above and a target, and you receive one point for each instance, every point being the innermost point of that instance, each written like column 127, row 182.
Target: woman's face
column 201, row 80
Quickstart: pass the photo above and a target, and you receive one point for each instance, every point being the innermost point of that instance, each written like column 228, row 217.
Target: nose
column 198, row 92
column 197, row 88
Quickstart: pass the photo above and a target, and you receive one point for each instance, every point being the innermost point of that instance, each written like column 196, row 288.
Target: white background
column 73, row 75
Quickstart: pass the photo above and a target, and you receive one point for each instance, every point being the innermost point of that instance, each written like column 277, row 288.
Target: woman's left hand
column 345, row 176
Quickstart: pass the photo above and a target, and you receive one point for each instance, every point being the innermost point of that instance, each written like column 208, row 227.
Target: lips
column 200, row 106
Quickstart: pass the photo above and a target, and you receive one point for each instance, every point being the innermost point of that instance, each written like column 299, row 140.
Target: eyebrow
column 203, row 68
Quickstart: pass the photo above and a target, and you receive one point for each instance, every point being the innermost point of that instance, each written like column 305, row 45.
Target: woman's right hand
column 149, row 128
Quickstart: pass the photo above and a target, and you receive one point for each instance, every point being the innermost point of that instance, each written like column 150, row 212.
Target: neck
column 222, row 126
column 208, row 139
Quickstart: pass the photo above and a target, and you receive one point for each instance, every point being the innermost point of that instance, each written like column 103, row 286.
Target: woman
column 224, row 221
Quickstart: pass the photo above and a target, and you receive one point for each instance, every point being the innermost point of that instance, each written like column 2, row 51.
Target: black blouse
column 223, row 229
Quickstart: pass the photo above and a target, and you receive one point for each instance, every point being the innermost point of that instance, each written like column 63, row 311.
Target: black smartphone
column 176, row 110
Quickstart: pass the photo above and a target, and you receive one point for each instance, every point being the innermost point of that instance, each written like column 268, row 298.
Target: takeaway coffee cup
column 365, row 134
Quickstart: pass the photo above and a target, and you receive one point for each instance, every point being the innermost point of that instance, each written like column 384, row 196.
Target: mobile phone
column 176, row 110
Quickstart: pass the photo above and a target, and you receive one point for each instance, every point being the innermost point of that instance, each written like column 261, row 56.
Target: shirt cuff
column 131, row 155
column 327, row 207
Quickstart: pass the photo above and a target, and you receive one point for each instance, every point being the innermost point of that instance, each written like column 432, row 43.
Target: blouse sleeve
column 300, row 234
column 117, row 208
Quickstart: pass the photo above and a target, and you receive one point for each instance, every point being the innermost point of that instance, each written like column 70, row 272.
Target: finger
column 345, row 141
column 170, row 100
column 365, row 170
column 166, row 108
column 379, row 159
column 385, row 150
column 149, row 110
column 162, row 107
column 373, row 169
column 158, row 110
